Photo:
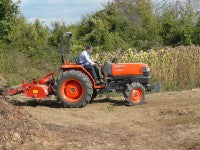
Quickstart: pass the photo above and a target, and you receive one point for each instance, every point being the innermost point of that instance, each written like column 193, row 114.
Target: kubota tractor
column 75, row 87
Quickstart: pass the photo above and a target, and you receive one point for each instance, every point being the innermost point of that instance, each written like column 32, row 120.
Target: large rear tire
column 135, row 94
column 73, row 89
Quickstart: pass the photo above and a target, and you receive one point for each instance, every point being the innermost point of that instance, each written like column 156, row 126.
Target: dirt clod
column 18, row 129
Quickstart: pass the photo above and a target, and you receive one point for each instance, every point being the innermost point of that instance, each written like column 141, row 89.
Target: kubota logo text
column 119, row 66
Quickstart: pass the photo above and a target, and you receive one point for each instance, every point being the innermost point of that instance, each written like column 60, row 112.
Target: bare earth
column 165, row 121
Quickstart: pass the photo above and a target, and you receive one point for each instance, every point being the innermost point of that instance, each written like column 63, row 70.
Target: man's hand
column 97, row 63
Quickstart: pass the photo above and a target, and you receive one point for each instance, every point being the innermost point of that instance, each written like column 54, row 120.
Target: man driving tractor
column 88, row 64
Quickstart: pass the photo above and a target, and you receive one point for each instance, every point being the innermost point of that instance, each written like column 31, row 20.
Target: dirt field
column 166, row 121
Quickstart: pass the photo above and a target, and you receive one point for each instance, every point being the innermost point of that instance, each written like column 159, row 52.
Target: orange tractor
column 75, row 86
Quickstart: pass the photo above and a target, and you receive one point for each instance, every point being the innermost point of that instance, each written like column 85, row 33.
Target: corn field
column 175, row 68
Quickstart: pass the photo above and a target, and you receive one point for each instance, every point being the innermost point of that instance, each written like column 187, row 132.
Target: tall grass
column 175, row 68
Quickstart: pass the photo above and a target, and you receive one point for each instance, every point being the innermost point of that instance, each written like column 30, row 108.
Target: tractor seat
column 107, row 69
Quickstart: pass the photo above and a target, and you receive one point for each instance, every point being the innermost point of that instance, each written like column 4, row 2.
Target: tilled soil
column 165, row 121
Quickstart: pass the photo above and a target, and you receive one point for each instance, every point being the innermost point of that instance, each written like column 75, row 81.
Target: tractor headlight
column 145, row 69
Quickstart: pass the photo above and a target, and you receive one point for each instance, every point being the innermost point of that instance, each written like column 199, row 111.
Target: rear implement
column 36, row 89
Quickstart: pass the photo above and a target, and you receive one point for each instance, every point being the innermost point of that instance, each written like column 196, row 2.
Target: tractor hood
column 125, row 69
column 129, row 69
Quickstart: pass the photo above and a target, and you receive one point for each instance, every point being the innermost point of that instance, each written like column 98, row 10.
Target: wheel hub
column 72, row 90
column 136, row 95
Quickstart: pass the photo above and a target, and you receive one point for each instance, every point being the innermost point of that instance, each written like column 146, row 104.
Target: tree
column 196, row 34
column 8, row 13
column 177, row 20
column 144, row 23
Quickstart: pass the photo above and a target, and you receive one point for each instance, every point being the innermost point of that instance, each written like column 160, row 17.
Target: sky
column 68, row 11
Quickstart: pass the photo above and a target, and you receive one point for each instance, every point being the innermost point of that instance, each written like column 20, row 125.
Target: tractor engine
column 120, row 74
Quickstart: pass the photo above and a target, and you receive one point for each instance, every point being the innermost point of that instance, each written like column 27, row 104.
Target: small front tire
column 135, row 94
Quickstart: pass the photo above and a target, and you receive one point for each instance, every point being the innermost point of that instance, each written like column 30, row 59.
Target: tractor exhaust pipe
column 61, row 51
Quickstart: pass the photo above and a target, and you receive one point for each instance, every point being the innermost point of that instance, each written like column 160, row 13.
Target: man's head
column 89, row 48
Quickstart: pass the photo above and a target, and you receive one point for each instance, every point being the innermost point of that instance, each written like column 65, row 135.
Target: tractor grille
column 146, row 74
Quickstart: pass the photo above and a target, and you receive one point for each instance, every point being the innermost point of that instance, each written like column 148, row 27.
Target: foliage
column 8, row 14
column 196, row 35
column 135, row 24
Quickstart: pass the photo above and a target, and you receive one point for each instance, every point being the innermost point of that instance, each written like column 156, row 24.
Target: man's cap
column 89, row 47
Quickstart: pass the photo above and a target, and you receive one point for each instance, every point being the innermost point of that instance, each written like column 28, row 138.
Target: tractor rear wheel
column 73, row 89
column 134, row 94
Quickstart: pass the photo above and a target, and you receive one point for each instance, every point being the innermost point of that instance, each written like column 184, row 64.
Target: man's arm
column 89, row 60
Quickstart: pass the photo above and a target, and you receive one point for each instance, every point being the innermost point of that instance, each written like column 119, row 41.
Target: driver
column 89, row 65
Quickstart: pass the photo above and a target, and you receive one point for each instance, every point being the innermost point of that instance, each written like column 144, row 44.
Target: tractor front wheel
column 73, row 89
column 134, row 94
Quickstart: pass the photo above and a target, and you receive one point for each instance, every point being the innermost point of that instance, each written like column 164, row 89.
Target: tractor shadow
column 33, row 103
column 55, row 104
